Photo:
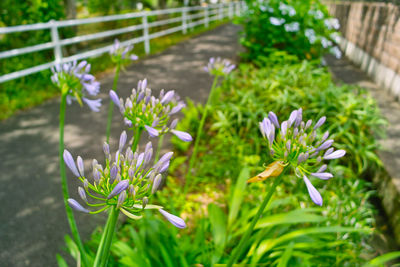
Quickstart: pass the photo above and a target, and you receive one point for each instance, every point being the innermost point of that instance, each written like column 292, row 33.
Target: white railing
column 201, row 15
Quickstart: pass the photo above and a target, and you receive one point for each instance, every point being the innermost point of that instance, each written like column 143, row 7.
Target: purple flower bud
column 140, row 97
column 308, row 124
column 93, row 104
column 147, row 155
column 323, row 168
column 121, row 186
column 329, row 151
column 164, row 167
column 151, row 131
column 288, row 143
column 182, row 135
column 166, row 157
column 69, row 161
column 173, row 124
column 113, row 173
column 122, row 140
column 106, row 149
column 320, row 122
column 273, row 118
column 82, row 193
column 134, row 57
column 335, row 155
column 314, row 194
column 168, row 97
column 81, row 168
column 144, row 84
column 175, row 220
column 96, row 175
column 177, row 108
column 131, row 173
column 156, row 183
column 132, row 191
column 302, row 157
column 299, row 117
column 114, row 97
column 325, row 145
column 325, row 136
column 76, row 206
column 121, row 199
column 295, row 132
column 284, row 127
column 292, row 117
column 140, row 160
column 322, row 175
column 127, row 122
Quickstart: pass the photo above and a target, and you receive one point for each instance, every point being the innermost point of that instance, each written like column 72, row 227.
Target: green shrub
column 302, row 28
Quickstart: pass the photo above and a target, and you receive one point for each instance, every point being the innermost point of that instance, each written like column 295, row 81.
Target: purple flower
column 177, row 108
column 82, row 194
column 175, row 220
column 122, row 140
column 69, row 161
column 151, row 131
column 81, row 168
column 314, row 194
column 273, row 118
column 182, row 135
column 322, row 175
column 76, row 206
column 335, row 155
column 94, row 104
column 121, row 186
column 114, row 97
column 156, row 183
column 320, row 122
column 167, row 97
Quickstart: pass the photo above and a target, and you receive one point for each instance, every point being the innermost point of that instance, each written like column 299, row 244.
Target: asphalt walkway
column 32, row 215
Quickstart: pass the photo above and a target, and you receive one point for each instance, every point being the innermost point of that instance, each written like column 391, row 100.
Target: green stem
column 70, row 215
column 159, row 147
column 111, row 106
column 192, row 160
column 136, row 139
column 106, row 239
column 244, row 240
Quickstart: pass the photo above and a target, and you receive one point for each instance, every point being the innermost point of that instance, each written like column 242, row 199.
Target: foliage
column 302, row 28
column 221, row 205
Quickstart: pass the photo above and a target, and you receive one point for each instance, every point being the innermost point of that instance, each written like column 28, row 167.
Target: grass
column 33, row 90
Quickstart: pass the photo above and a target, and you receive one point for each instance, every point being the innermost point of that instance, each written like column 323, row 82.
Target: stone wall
column 371, row 39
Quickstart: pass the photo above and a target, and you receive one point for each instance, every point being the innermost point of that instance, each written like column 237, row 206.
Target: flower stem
column 111, row 106
column 245, row 238
column 136, row 139
column 159, row 147
column 192, row 160
column 106, row 239
column 70, row 215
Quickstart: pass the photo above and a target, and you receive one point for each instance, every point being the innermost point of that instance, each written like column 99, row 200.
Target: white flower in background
column 325, row 42
column 292, row 27
column 336, row 52
column 316, row 13
column 287, row 10
column 310, row 34
column 335, row 37
column 332, row 23
column 276, row 21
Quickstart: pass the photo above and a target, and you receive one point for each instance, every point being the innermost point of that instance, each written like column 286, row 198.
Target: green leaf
column 381, row 260
column 61, row 262
column 218, row 228
column 283, row 261
column 237, row 195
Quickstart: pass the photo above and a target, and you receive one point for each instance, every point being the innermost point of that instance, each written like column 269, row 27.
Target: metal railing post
column 146, row 34
column 206, row 18
column 184, row 21
column 55, row 38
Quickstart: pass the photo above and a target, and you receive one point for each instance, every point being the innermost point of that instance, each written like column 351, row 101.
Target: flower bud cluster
column 74, row 80
column 142, row 110
column 128, row 180
column 296, row 143
column 120, row 53
column 219, row 67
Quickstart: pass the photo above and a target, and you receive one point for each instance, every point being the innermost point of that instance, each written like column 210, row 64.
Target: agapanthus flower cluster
column 127, row 181
column 276, row 21
column 287, row 10
column 219, row 67
column 292, row 27
column 75, row 80
column 120, row 53
column 297, row 144
column 142, row 110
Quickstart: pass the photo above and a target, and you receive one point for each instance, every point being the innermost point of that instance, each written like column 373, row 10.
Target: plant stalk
column 111, row 106
column 198, row 136
column 70, row 214
column 245, row 238
column 106, row 239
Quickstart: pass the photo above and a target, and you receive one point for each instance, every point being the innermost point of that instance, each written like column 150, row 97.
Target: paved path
column 32, row 217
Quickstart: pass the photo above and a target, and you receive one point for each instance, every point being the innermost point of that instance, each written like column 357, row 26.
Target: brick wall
column 372, row 30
